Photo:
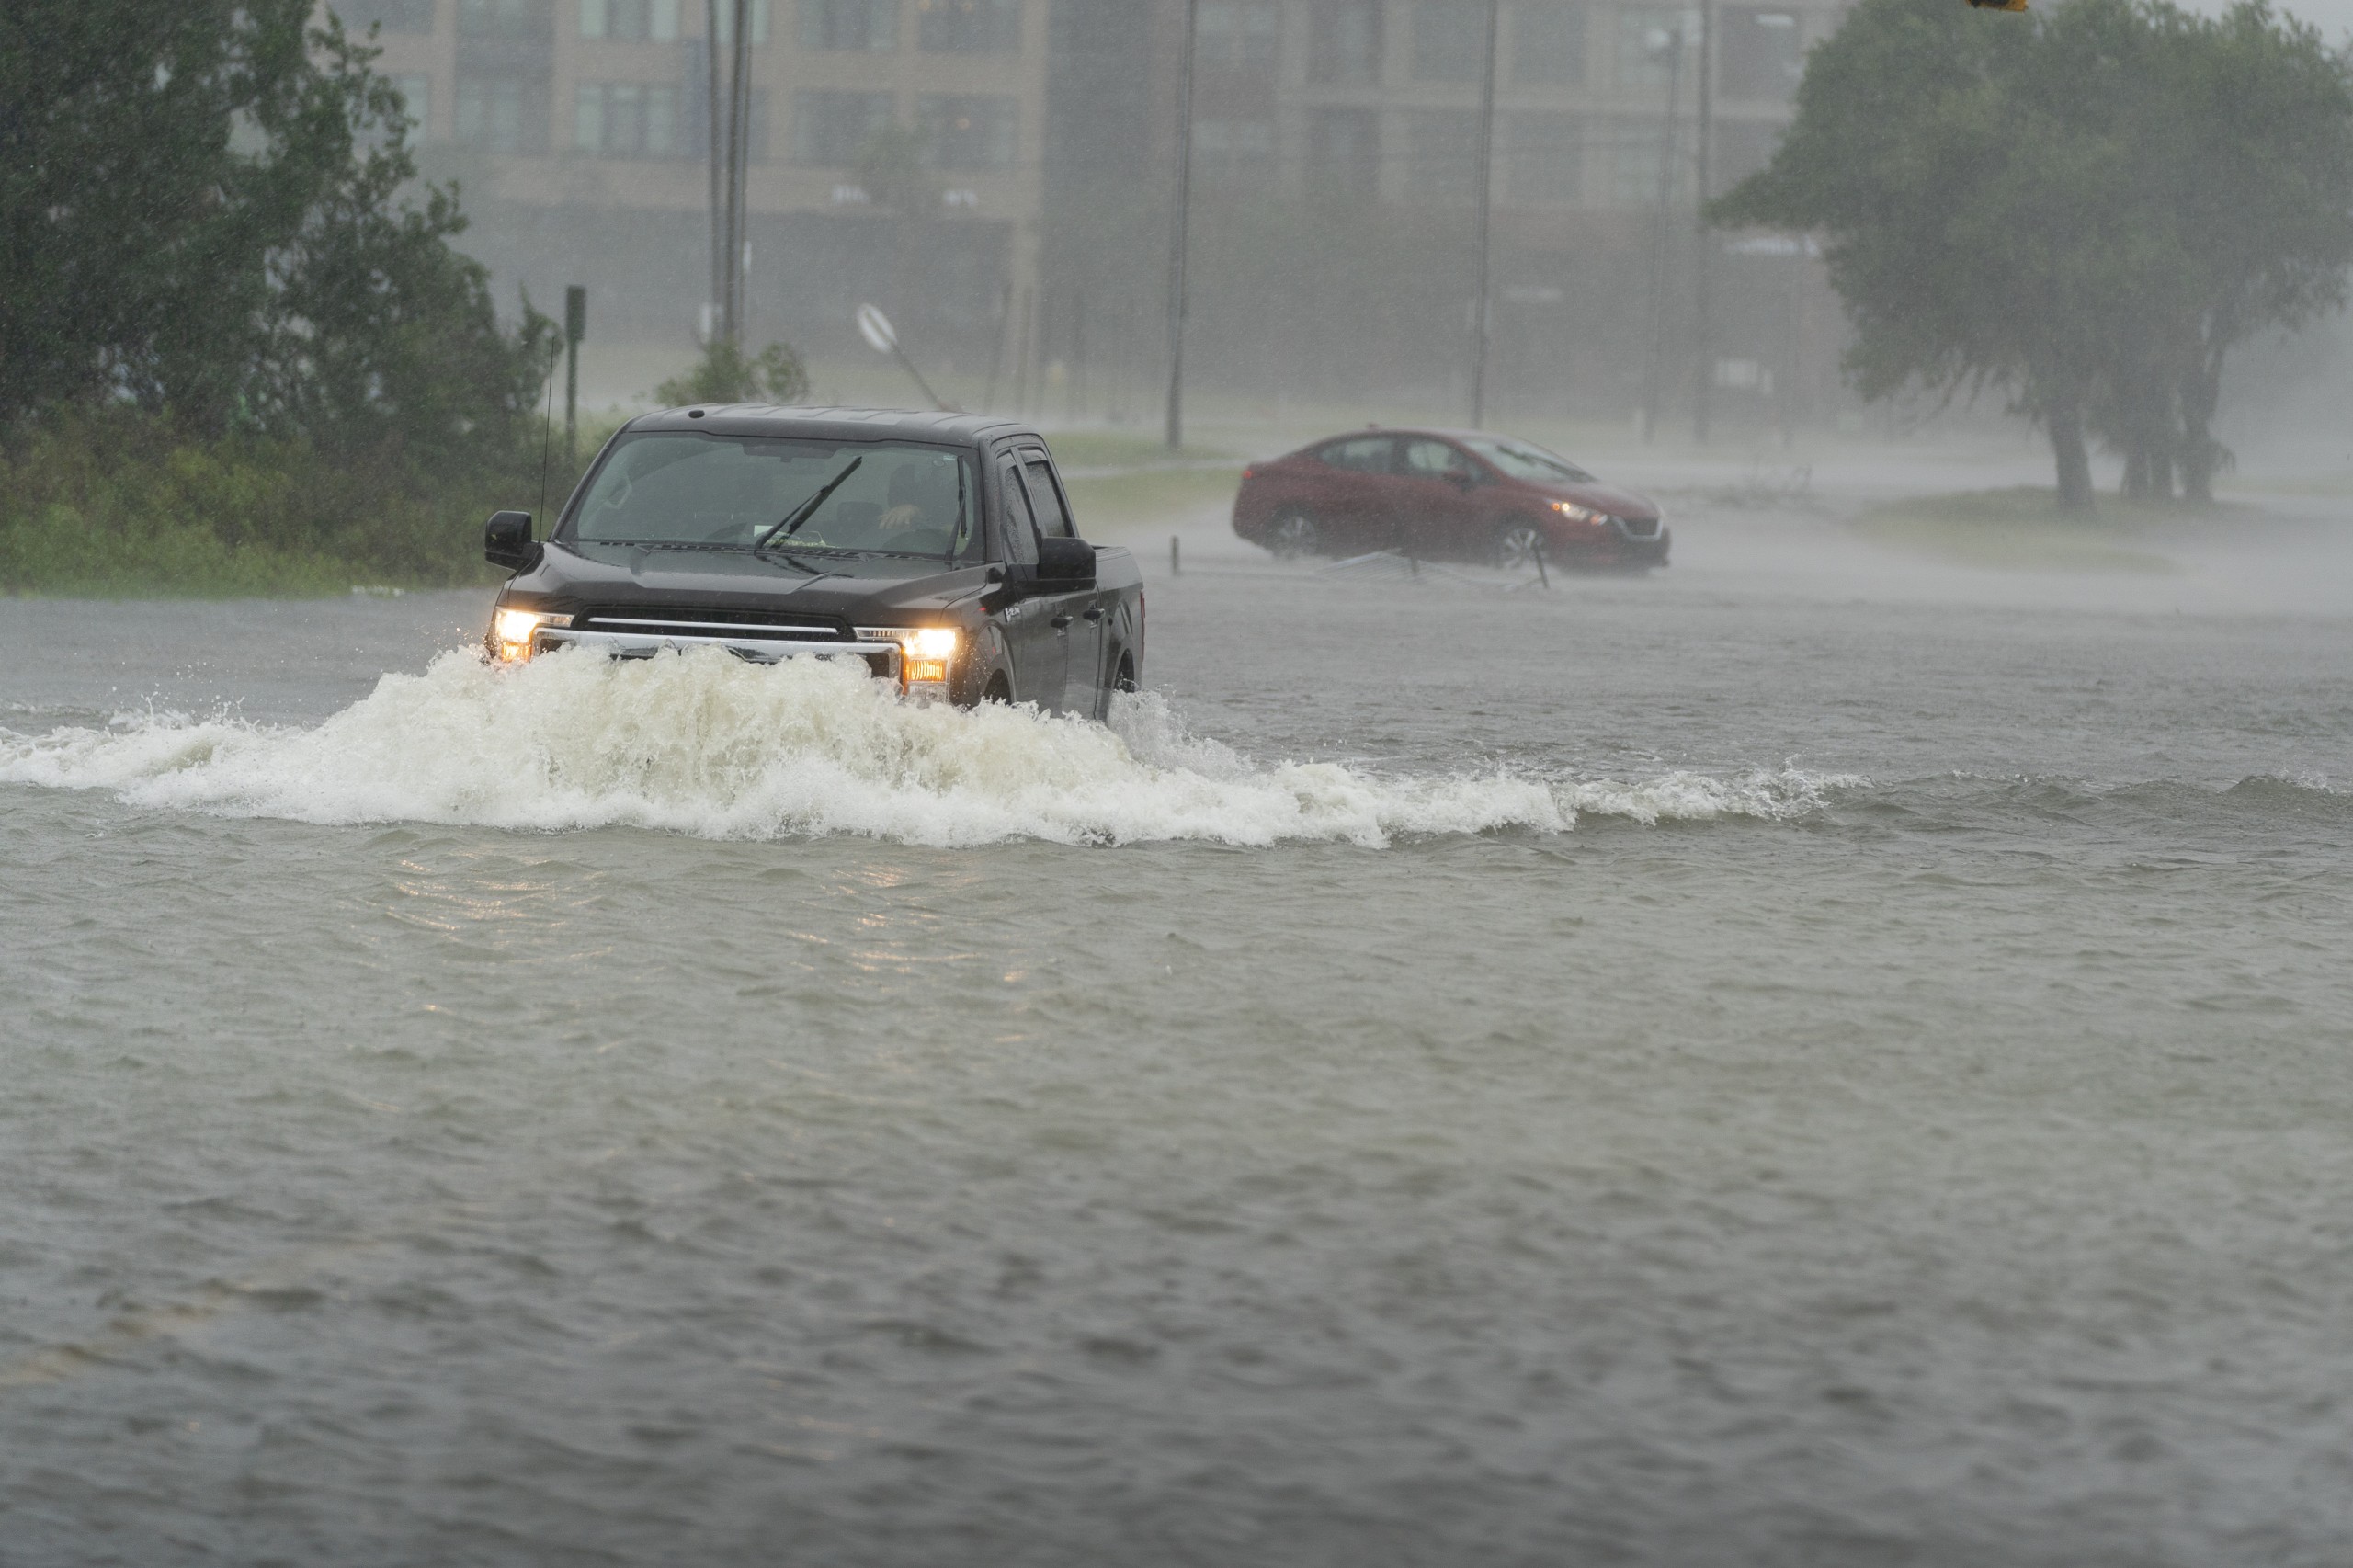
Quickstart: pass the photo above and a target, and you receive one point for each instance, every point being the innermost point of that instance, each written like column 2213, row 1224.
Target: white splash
column 708, row 745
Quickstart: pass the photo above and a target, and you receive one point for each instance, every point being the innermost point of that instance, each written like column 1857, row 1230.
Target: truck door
column 1078, row 616
column 1035, row 646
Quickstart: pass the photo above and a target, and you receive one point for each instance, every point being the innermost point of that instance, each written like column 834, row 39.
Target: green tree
column 726, row 374
column 2083, row 209
column 199, row 216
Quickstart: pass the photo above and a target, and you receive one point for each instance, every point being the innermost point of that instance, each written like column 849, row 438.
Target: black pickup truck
column 939, row 549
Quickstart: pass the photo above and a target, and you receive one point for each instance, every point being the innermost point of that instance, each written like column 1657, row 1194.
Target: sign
column 875, row 327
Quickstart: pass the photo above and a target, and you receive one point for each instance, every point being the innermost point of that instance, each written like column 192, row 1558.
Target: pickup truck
column 937, row 549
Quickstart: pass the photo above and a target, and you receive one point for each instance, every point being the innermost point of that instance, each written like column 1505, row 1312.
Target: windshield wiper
column 807, row 509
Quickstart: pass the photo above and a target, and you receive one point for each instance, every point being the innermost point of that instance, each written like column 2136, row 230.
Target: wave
column 706, row 744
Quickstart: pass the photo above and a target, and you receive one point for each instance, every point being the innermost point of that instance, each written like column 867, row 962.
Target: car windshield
column 727, row 491
column 1521, row 460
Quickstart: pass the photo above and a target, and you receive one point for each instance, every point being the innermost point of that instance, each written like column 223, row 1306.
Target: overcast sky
column 2334, row 17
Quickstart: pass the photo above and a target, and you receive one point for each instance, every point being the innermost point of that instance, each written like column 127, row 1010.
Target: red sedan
column 1461, row 494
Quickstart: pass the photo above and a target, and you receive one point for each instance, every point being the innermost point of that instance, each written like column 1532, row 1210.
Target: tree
column 726, row 374
column 2083, row 208
column 199, row 216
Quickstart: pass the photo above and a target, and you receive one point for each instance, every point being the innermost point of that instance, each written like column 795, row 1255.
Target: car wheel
column 1294, row 534
column 1517, row 545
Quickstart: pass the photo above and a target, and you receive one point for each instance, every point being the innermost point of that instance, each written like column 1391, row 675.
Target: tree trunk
column 2136, row 470
column 2200, row 453
column 2066, row 421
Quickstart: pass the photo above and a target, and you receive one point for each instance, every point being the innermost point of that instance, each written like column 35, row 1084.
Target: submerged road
column 1715, row 1069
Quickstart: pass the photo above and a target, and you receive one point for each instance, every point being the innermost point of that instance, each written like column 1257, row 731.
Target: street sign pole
column 575, row 327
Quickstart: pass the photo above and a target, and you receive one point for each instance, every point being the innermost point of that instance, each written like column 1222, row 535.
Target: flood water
column 1711, row 1069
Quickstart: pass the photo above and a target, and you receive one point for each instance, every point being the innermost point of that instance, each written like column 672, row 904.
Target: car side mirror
column 1064, row 563
column 507, row 540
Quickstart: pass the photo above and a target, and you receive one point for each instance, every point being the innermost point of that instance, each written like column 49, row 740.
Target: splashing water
column 706, row 744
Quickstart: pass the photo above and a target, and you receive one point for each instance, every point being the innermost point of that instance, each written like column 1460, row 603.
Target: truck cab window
column 1054, row 514
column 1019, row 543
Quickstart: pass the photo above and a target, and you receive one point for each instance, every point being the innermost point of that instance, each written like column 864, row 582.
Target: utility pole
column 1702, row 272
column 718, row 144
column 1485, row 334
column 575, row 327
column 1655, row 378
column 739, row 137
column 1177, row 229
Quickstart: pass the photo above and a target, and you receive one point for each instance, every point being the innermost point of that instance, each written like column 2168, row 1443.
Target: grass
column 1116, row 506
column 2023, row 530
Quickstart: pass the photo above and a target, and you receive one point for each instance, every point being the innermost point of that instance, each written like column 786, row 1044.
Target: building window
column 1636, row 147
column 417, row 103
column 968, row 132
column 1344, row 42
column 1441, row 162
column 1541, row 153
column 630, row 21
column 1449, row 41
column 968, row 26
column 1762, row 58
column 869, row 26
column 392, row 15
column 501, row 114
column 1548, row 42
column 759, row 12
column 1231, row 149
column 531, row 20
column 626, row 120
column 830, row 129
column 1649, row 39
column 1344, row 154
column 1238, row 34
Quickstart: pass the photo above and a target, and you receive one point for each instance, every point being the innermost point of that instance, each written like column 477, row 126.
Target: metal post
column 739, row 136
column 1176, row 559
column 575, row 327
column 1483, row 333
column 1653, row 389
column 1177, row 229
column 718, row 155
column 1702, row 273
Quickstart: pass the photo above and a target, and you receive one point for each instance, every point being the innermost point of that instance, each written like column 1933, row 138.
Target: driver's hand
column 899, row 518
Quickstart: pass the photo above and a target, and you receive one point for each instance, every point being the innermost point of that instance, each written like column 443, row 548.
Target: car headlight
column 1575, row 513
column 511, row 631
column 925, row 654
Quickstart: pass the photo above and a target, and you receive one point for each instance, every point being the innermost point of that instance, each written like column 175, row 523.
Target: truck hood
column 570, row 575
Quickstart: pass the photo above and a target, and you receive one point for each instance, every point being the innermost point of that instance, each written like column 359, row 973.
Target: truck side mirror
column 1064, row 563
column 507, row 540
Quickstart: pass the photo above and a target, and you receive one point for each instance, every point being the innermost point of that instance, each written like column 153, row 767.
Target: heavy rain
column 1151, row 782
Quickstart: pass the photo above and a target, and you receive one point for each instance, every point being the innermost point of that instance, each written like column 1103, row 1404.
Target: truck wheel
column 1293, row 534
column 1517, row 545
column 999, row 690
column 1126, row 679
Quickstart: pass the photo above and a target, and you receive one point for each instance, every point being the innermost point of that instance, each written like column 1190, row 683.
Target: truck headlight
column 925, row 654
column 511, row 629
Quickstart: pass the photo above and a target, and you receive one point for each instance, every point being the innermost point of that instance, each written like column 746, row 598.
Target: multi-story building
column 999, row 175
column 1336, row 156
column 580, row 131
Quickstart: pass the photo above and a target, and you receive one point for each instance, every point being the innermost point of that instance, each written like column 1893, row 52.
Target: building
column 1336, row 150
column 999, row 174
column 580, row 132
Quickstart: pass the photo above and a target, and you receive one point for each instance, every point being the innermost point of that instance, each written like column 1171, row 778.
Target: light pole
column 1656, row 374
column 1483, row 334
column 1702, row 273
column 718, row 143
column 1176, row 229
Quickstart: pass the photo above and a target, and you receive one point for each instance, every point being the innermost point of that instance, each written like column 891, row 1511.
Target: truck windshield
column 1523, row 460
column 727, row 491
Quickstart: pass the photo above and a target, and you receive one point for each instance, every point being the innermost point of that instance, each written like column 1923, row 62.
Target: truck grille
column 672, row 621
